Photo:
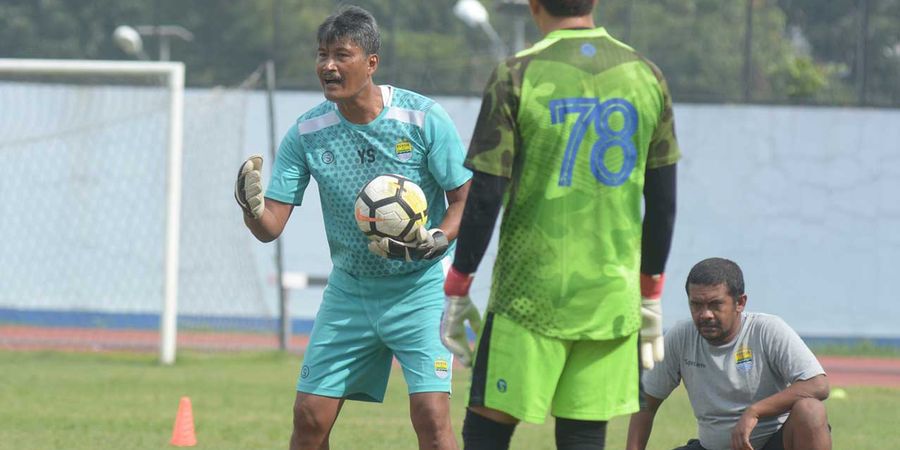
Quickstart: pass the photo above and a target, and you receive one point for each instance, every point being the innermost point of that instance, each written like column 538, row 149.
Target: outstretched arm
column 815, row 387
column 641, row 424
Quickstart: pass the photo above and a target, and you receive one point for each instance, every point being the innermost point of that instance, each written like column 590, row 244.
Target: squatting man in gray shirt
column 752, row 382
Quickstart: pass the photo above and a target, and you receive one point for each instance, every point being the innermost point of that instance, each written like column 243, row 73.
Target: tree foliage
column 802, row 50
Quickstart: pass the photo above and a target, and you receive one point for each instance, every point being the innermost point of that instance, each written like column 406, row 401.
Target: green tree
column 833, row 31
column 699, row 44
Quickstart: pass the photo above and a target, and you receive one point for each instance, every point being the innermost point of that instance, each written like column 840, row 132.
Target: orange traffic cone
column 183, row 431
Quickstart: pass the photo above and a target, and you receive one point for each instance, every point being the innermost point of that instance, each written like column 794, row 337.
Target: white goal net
column 111, row 215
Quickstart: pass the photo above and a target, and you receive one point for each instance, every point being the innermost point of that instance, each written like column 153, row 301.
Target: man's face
column 716, row 314
column 344, row 69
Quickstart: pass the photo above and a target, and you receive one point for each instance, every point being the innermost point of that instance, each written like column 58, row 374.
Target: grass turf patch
column 244, row 400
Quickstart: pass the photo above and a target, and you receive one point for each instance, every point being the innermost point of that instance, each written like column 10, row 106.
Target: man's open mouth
column 332, row 80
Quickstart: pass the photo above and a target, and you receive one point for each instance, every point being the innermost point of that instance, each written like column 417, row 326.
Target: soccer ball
column 391, row 206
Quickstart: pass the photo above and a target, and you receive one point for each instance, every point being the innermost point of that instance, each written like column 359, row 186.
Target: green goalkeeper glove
column 248, row 187
column 652, row 343
column 430, row 244
column 458, row 308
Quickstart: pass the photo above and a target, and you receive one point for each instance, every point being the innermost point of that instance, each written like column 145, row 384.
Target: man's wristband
column 652, row 286
column 457, row 283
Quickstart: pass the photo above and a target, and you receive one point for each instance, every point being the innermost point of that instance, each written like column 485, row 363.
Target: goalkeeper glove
column 651, row 319
column 430, row 244
column 458, row 308
column 248, row 187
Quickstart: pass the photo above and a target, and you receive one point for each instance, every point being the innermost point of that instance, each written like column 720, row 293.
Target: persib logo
column 404, row 150
column 743, row 357
column 441, row 368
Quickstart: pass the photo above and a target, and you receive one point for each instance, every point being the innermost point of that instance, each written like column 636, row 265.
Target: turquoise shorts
column 363, row 323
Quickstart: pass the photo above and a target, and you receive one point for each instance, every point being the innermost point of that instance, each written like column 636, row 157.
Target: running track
column 842, row 371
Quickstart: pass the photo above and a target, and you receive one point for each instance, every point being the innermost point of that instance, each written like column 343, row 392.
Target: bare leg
column 314, row 416
column 495, row 415
column 807, row 427
column 430, row 414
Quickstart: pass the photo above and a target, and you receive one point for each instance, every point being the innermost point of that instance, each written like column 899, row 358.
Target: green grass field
column 243, row 401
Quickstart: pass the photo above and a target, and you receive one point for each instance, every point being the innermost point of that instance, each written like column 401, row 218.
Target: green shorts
column 525, row 374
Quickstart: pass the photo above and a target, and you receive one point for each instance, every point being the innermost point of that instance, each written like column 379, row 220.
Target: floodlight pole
column 748, row 52
column 284, row 316
column 518, row 10
column 473, row 13
column 862, row 48
column 496, row 43
column 163, row 32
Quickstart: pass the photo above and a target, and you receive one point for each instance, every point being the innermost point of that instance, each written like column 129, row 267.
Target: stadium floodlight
column 518, row 10
column 129, row 38
column 473, row 14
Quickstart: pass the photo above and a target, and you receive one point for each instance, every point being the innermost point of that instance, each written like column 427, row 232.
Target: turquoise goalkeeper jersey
column 413, row 137
column 574, row 122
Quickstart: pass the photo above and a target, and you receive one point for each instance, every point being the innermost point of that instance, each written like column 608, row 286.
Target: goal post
column 173, row 73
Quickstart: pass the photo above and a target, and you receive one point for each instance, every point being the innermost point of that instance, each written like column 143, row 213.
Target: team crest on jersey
column 588, row 50
column 441, row 368
column 743, row 358
column 404, row 150
column 327, row 157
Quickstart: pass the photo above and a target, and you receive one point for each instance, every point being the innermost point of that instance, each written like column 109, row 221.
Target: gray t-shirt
column 722, row 381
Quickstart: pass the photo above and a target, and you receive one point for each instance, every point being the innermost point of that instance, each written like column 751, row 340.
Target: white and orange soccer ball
column 391, row 206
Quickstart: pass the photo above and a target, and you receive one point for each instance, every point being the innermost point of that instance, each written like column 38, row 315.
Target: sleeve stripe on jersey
column 407, row 116
column 318, row 123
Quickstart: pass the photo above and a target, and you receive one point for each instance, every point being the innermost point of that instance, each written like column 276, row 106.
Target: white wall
column 804, row 199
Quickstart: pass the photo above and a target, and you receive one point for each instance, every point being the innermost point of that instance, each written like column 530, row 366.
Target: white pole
column 169, row 318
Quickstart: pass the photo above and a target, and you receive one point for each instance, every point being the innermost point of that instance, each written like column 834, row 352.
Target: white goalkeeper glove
column 430, row 244
column 458, row 308
column 652, row 343
column 248, row 187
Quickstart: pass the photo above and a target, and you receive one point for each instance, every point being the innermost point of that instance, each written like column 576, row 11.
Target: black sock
column 580, row 434
column 481, row 433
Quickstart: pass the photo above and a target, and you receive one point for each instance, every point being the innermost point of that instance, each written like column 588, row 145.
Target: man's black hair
column 354, row 23
column 568, row 8
column 716, row 271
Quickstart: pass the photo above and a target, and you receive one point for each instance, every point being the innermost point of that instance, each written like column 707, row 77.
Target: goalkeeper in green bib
column 574, row 134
